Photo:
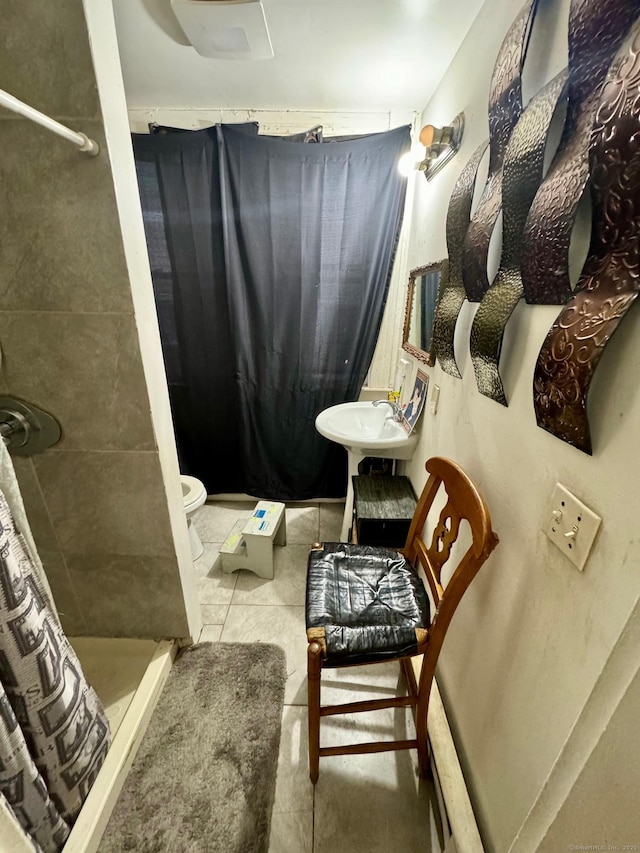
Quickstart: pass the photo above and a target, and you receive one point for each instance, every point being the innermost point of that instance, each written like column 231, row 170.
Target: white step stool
column 250, row 543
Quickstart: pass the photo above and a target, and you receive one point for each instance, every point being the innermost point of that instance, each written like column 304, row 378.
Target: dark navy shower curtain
column 271, row 262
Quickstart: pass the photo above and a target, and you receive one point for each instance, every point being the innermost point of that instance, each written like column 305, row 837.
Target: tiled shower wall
column 96, row 501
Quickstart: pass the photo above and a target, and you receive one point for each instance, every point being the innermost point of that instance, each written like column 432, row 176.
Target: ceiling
column 330, row 55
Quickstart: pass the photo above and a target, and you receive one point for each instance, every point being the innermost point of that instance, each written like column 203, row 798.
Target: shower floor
column 114, row 668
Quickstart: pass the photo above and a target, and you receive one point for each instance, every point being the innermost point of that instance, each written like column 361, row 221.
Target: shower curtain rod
column 86, row 145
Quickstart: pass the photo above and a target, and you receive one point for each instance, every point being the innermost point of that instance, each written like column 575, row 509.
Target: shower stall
column 127, row 674
column 80, row 337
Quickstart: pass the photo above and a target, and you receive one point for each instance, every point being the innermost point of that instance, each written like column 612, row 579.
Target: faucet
column 397, row 411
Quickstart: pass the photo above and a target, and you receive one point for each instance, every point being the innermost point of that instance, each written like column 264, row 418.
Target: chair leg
column 423, row 749
column 420, row 717
column 314, row 665
column 422, row 734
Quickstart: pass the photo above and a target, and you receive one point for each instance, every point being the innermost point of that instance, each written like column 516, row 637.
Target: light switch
column 571, row 525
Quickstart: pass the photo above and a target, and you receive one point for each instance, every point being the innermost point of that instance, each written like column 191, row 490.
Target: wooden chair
column 368, row 604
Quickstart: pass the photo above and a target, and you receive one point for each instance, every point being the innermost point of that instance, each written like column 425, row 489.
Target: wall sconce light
column 440, row 143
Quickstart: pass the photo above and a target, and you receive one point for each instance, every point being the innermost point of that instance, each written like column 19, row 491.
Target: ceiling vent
column 225, row 29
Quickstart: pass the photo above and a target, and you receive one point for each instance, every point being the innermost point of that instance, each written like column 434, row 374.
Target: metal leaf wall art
column 453, row 293
column 505, row 108
column 522, row 173
column 610, row 280
column 596, row 31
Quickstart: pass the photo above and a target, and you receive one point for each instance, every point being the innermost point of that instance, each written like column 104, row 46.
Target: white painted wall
column 536, row 642
column 607, row 787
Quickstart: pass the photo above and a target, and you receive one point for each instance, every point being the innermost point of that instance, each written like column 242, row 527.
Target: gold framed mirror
column 423, row 290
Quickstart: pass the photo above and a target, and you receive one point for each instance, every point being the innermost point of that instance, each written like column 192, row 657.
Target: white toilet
column 194, row 495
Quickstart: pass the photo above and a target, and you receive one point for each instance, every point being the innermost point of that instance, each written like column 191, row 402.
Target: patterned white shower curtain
column 54, row 734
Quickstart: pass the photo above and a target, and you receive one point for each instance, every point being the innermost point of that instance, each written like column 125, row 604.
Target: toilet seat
column 194, row 493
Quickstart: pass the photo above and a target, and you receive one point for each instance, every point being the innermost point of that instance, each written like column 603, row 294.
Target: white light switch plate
column 571, row 525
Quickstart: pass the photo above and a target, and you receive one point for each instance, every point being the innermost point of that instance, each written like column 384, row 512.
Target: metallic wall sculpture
column 453, row 294
column 505, row 107
column 610, row 280
column 596, row 31
column 521, row 176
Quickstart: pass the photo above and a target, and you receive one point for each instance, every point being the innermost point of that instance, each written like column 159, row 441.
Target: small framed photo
column 413, row 408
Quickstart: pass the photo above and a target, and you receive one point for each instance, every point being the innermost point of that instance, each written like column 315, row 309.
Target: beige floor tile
column 283, row 625
column 294, row 791
column 303, row 524
column 213, row 614
column 214, row 521
column 357, row 683
column 386, row 724
column 210, row 634
column 287, row 585
column 373, row 804
column 291, row 832
column 211, row 592
column 214, row 586
column 331, row 521
column 208, row 559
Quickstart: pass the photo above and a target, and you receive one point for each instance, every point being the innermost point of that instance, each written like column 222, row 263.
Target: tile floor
column 373, row 803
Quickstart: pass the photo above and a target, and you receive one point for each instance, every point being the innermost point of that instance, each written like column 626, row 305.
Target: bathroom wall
column 539, row 672
column 77, row 337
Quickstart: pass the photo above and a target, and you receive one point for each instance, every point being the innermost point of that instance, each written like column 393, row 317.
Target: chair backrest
column 463, row 502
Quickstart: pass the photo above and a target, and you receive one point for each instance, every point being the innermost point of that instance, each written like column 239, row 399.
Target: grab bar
column 26, row 429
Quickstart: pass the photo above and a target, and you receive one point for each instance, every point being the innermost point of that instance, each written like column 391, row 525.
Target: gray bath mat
column 204, row 778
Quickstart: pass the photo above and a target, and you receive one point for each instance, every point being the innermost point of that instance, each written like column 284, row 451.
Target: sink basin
column 367, row 430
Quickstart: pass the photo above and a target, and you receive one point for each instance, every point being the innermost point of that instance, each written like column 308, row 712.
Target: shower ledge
column 129, row 697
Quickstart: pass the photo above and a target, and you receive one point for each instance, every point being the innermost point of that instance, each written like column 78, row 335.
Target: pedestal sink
column 364, row 430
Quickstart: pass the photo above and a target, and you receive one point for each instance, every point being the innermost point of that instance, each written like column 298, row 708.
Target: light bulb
column 409, row 161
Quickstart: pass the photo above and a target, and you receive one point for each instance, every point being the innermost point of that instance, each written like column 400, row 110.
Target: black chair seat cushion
column 369, row 601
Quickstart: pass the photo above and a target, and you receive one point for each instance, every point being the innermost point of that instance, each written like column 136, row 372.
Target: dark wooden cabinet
column 383, row 507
